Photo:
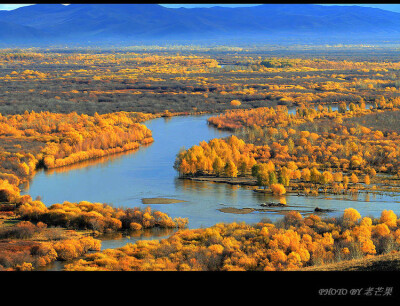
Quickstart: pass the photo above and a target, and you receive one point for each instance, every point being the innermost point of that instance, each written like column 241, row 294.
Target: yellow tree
column 230, row 169
column 243, row 164
column 354, row 178
column 236, row 103
column 263, row 175
column 278, row 189
column 326, row 178
column 306, row 174
column 184, row 167
column 218, row 166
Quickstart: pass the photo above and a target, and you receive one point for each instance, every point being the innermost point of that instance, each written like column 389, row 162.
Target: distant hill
column 134, row 23
column 15, row 32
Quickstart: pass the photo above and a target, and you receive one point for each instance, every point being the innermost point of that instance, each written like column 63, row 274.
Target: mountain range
column 49, row 24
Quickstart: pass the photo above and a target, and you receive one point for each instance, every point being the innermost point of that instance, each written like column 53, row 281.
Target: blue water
column 123, row 180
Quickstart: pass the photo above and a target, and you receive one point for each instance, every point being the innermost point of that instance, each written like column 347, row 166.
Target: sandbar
column 160, row 201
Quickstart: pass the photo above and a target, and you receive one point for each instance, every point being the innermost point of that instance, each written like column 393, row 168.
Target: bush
column 23, row 230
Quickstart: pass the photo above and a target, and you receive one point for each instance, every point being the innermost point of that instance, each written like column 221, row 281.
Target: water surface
column 123, row 180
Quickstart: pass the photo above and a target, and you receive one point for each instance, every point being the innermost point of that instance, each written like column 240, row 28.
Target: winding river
column 123, row 180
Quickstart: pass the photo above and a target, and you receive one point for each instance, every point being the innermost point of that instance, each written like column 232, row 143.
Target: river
column 123, row 180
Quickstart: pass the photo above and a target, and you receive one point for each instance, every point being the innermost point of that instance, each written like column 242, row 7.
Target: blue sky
column 389, row 7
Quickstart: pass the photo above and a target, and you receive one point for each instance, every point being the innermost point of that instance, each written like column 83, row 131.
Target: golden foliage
column 241, row 247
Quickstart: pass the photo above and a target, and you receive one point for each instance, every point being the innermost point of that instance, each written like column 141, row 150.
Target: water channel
column 123, row 180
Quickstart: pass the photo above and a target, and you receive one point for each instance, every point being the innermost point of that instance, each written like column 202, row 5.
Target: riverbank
column 243, row 181
column 33, row 236
column 25, row 246
column 381, row 186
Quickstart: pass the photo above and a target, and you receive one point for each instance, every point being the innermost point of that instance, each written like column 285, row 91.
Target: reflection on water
column 103, row 162
column 124, row 179
column 117, row 240
column 54, row 266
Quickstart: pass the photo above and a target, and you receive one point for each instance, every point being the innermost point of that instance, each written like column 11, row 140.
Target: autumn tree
column 230, row 169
